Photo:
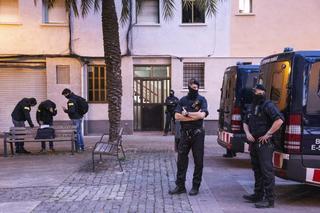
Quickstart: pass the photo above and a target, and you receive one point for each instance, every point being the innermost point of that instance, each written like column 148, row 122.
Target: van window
column 275, row 77
column 313, row 92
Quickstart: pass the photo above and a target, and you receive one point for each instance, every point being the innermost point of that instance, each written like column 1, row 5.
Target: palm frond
column 212, row 7
column 86, row 6
column 125, row 12
column 168, row 8
column 97, row 5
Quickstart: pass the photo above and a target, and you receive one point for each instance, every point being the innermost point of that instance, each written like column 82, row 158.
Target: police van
column 292, row 82
column 237, row 84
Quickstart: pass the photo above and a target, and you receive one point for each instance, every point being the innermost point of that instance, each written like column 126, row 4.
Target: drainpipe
column 70, row 32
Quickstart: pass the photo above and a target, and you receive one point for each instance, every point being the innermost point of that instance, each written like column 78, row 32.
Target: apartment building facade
column 44, row 51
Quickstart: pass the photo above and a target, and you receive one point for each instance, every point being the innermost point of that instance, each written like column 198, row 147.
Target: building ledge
column 54, row 24
column 10, row 23
column 147, row 25
column 193, row 25
column 245, row 14
column 200, row 90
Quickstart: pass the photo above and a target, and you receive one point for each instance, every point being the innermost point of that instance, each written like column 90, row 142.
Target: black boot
column 265, row 204
column 178, row 190
column 194, row 191
column 253, row 198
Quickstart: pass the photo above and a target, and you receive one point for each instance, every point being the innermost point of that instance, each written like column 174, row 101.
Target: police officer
column 171, row 103
column 191, row 111
column 261, row 121
column 74, row 115
column 20, row 114
column 46, row 110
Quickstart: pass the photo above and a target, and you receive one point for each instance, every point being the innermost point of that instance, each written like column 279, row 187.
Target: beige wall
column 28, row 35
column 54, row 90
column 274, row 25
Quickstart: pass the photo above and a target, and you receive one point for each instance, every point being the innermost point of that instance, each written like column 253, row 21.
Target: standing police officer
column 46, row 110
column 20, row 114
column 262, row 120
column 191, row 111
column 171, row 103
column 73, row 112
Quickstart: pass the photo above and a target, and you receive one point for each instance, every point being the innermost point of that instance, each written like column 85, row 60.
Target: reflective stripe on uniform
column 39, row 110
column 70, row 104
column 27, row 108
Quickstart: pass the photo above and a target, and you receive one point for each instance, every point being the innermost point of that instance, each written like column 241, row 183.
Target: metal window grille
column 193, row 70
column 97, row 84
column 63, row 74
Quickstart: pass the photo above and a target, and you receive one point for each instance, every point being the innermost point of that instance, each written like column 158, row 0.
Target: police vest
column 258, row 120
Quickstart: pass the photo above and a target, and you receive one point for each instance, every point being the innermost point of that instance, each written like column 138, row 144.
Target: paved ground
column 65, row 183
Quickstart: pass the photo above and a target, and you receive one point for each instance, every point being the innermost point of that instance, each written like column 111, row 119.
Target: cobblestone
column 142, row 187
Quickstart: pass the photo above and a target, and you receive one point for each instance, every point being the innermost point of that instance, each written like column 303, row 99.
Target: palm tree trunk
column 112, row 55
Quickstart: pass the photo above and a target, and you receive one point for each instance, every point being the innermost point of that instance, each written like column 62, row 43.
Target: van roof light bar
column 287, row 49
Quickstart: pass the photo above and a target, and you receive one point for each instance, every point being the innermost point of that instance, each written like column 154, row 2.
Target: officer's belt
column 191, row 132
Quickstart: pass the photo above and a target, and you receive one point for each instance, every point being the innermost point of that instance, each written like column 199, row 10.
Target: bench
column 105, row 147
column 27, row 134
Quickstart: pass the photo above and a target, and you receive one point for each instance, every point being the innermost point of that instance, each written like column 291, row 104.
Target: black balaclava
column 171, row 93
column 258, row 99
column 192, row 92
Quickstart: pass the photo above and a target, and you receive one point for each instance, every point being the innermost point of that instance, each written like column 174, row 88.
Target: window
column 313, row 94
column 97, row 84
column 245, row 6
column 63, row 74
column 56, row 14
column 191, row 12
column 156, row 71
column 148, row 12
column 9, row 11
column 193, row 70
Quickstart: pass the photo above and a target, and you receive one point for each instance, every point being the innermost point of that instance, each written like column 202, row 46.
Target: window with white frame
column 148, row 12
column 56, row 14
column 195, row 71
column 9, row 11
column 245, row 6
column 191, row 13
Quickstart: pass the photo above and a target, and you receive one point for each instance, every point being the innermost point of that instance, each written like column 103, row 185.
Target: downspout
column 128, row 35
column 70, row 33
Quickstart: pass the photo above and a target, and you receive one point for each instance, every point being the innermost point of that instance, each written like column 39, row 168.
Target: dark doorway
column 151, row 87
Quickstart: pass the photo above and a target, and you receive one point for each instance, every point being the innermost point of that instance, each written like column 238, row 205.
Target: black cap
column 193, row 81
column 260, row 87
column 66, row 91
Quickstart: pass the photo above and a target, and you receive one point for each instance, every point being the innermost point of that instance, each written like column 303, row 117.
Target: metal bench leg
column 119, row 160
column 11, row 148
column 93, row 169
column 100, row 157
column 5, row 148
column 124, row 155
column 72, row 147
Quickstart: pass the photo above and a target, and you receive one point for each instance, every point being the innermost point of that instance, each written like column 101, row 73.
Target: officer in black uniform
column 46, row 110
column 20, row 114
column 261, row 121
column 171, row 103
column 74, row 115
column 191, row 111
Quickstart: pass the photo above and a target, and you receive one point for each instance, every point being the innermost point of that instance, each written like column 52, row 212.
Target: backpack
column 83, row 105
column 45, row 133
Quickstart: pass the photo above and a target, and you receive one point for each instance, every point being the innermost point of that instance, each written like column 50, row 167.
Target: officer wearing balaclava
column 171, row 103
column 190, row 111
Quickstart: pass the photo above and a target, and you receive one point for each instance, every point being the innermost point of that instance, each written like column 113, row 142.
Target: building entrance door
column 150, row 93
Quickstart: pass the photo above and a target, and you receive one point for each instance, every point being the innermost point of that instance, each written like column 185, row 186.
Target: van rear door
column 227, row 98
column 310, row 146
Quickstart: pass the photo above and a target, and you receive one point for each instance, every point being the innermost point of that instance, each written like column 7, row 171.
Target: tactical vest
column 258, row 120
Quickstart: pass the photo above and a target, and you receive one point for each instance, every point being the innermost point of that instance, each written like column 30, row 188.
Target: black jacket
column 22, row 110
column 171, row 103
column 192, row 105
column 46, row 110
column 73, row 107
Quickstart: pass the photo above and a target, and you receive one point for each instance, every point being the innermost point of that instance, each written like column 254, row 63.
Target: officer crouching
column 261, row 121
column 190, row 111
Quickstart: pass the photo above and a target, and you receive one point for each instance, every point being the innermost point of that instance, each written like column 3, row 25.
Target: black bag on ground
column 45, row 133
column 83, row 105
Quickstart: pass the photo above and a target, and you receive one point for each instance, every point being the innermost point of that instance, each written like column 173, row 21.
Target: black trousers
column 19, row 146
column 196, row 144
column 261, row 160
column 169, row 118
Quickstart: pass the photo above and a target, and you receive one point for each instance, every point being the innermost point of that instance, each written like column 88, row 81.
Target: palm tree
column 111, row 43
